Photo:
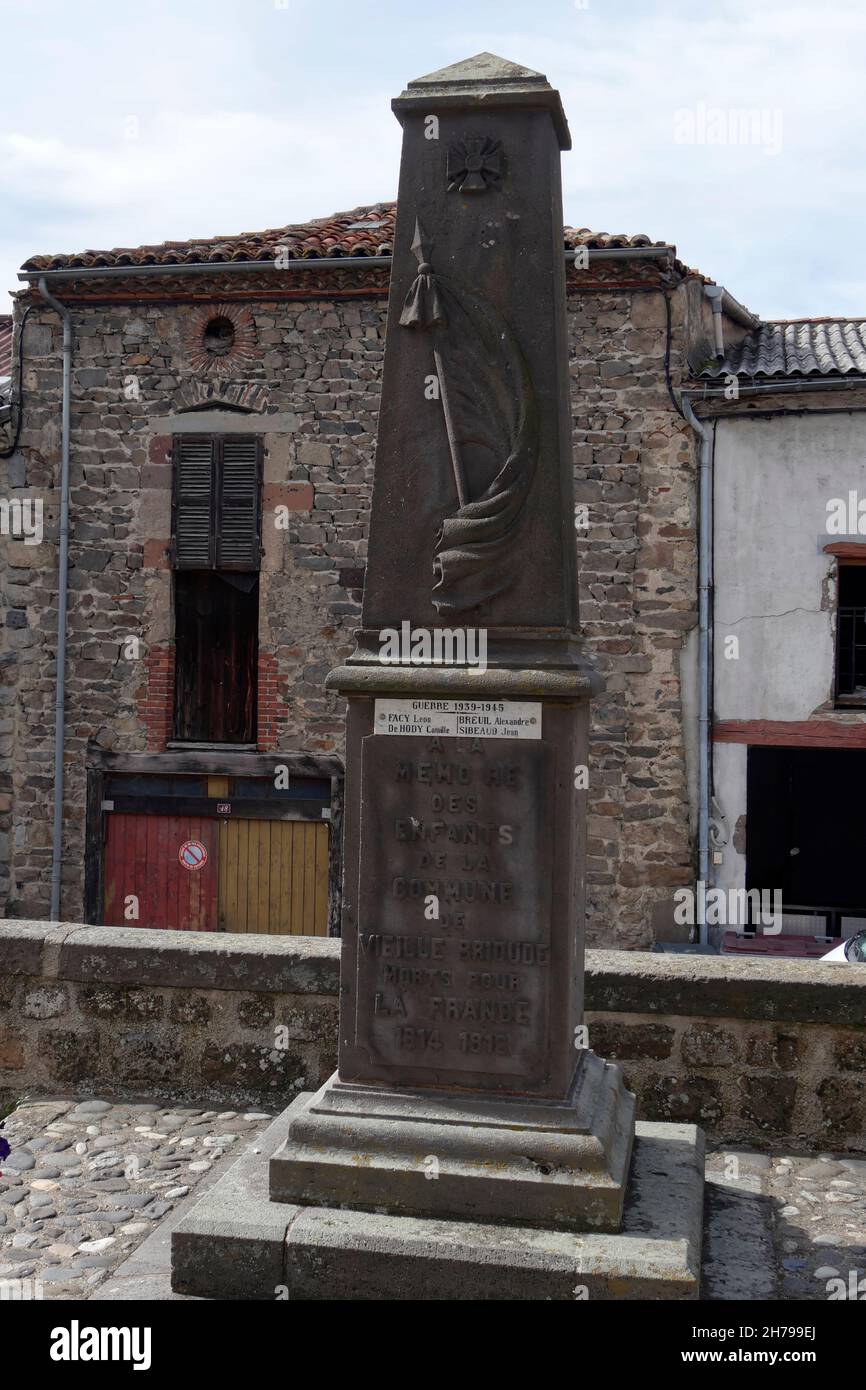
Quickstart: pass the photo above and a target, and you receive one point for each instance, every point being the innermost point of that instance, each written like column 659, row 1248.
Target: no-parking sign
column 192, row 855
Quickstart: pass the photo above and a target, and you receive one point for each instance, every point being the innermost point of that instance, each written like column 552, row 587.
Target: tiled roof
column 364, row 231
column 797, row 347
column 5, row 344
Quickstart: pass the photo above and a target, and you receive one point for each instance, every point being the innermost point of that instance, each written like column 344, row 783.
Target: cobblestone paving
column 88, row 1180
column 784, row 1226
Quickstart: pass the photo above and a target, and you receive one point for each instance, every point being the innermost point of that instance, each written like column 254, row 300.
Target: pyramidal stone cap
column 484, row 80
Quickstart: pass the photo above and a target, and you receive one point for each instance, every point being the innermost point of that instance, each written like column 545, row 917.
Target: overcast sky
column 126, row 123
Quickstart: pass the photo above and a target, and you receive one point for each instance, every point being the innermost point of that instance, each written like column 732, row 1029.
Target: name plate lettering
column 459, row 718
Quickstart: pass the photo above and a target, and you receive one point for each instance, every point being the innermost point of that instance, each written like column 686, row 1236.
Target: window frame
column 842, row 700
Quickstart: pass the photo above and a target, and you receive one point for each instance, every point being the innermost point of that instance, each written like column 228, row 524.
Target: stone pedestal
column 560, row 1165
column 237, row 1244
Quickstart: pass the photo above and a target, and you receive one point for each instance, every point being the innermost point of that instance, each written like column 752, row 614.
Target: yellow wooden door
column 273, row 877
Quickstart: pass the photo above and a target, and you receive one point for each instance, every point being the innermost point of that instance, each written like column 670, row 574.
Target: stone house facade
column 278, row 338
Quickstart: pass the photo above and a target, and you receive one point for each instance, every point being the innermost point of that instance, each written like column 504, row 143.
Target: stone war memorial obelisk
column 471, row 1144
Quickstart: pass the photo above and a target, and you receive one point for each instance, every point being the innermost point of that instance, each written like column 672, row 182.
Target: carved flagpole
column 424, row 309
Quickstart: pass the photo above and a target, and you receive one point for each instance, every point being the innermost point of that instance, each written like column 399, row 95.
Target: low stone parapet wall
column 178, row 1014
column 746, row 1048
column 750, row 1050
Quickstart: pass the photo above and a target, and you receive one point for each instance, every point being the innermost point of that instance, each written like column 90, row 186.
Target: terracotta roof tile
column 363, row 231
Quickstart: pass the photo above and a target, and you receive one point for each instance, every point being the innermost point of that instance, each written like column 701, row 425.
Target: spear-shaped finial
column 423, row 307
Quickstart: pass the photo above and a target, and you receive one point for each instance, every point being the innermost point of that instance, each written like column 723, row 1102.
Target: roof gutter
column 62, row 602
column 312, row 263
column 773, row 388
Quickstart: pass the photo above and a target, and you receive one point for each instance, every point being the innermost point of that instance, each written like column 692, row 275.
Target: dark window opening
column 216, row 657
column 851, row 636
column 804, row 832
column 219, row 336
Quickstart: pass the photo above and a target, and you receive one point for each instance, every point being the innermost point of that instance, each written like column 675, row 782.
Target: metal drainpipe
column 705, row 579
column 714, row 294
column 62, row 595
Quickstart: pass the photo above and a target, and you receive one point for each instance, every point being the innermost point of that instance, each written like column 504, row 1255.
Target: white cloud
column 251, row 116
column 183, row 176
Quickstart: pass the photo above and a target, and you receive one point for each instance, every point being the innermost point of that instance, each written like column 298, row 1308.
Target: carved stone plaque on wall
column 454, row 951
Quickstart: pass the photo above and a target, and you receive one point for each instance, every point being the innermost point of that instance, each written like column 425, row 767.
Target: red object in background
column 795, row 947
column 141, row 860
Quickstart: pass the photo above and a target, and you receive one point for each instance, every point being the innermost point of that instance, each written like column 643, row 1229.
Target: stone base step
column 237, row 1244
column 560, row 1165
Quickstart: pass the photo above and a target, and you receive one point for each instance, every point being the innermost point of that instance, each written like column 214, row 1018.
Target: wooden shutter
column 238, row 531
column 217, row 513
column 194, row 468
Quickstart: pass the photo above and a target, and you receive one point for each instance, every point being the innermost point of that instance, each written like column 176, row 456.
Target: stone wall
column 308, row 380
column 173, row 1014
column 635, row 471
column 747, row 1049
column 752, row 1051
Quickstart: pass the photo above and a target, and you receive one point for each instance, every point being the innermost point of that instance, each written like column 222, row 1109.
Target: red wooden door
column 147, row 885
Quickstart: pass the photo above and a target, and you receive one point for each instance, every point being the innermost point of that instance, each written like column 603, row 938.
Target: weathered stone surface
column 235, row 1243
column 45, row 1002
column 704, row 1046
column 104, row 1001
column 769, row 1102
column 551, row 1165
column 791, row 991
column 235, row 1064
column 850, row 1052
column 256, row 1012
column 11, row 1050
column 622, row 1040
column 190, row 1009
column 683, row 1099
column 144, row 1058
column 292, row 965
column 71, row 1055
column 843, row 1105
column 778, row 1051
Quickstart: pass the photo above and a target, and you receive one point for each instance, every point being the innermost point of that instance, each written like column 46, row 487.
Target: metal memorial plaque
column 459, row 718
column 453, row 961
